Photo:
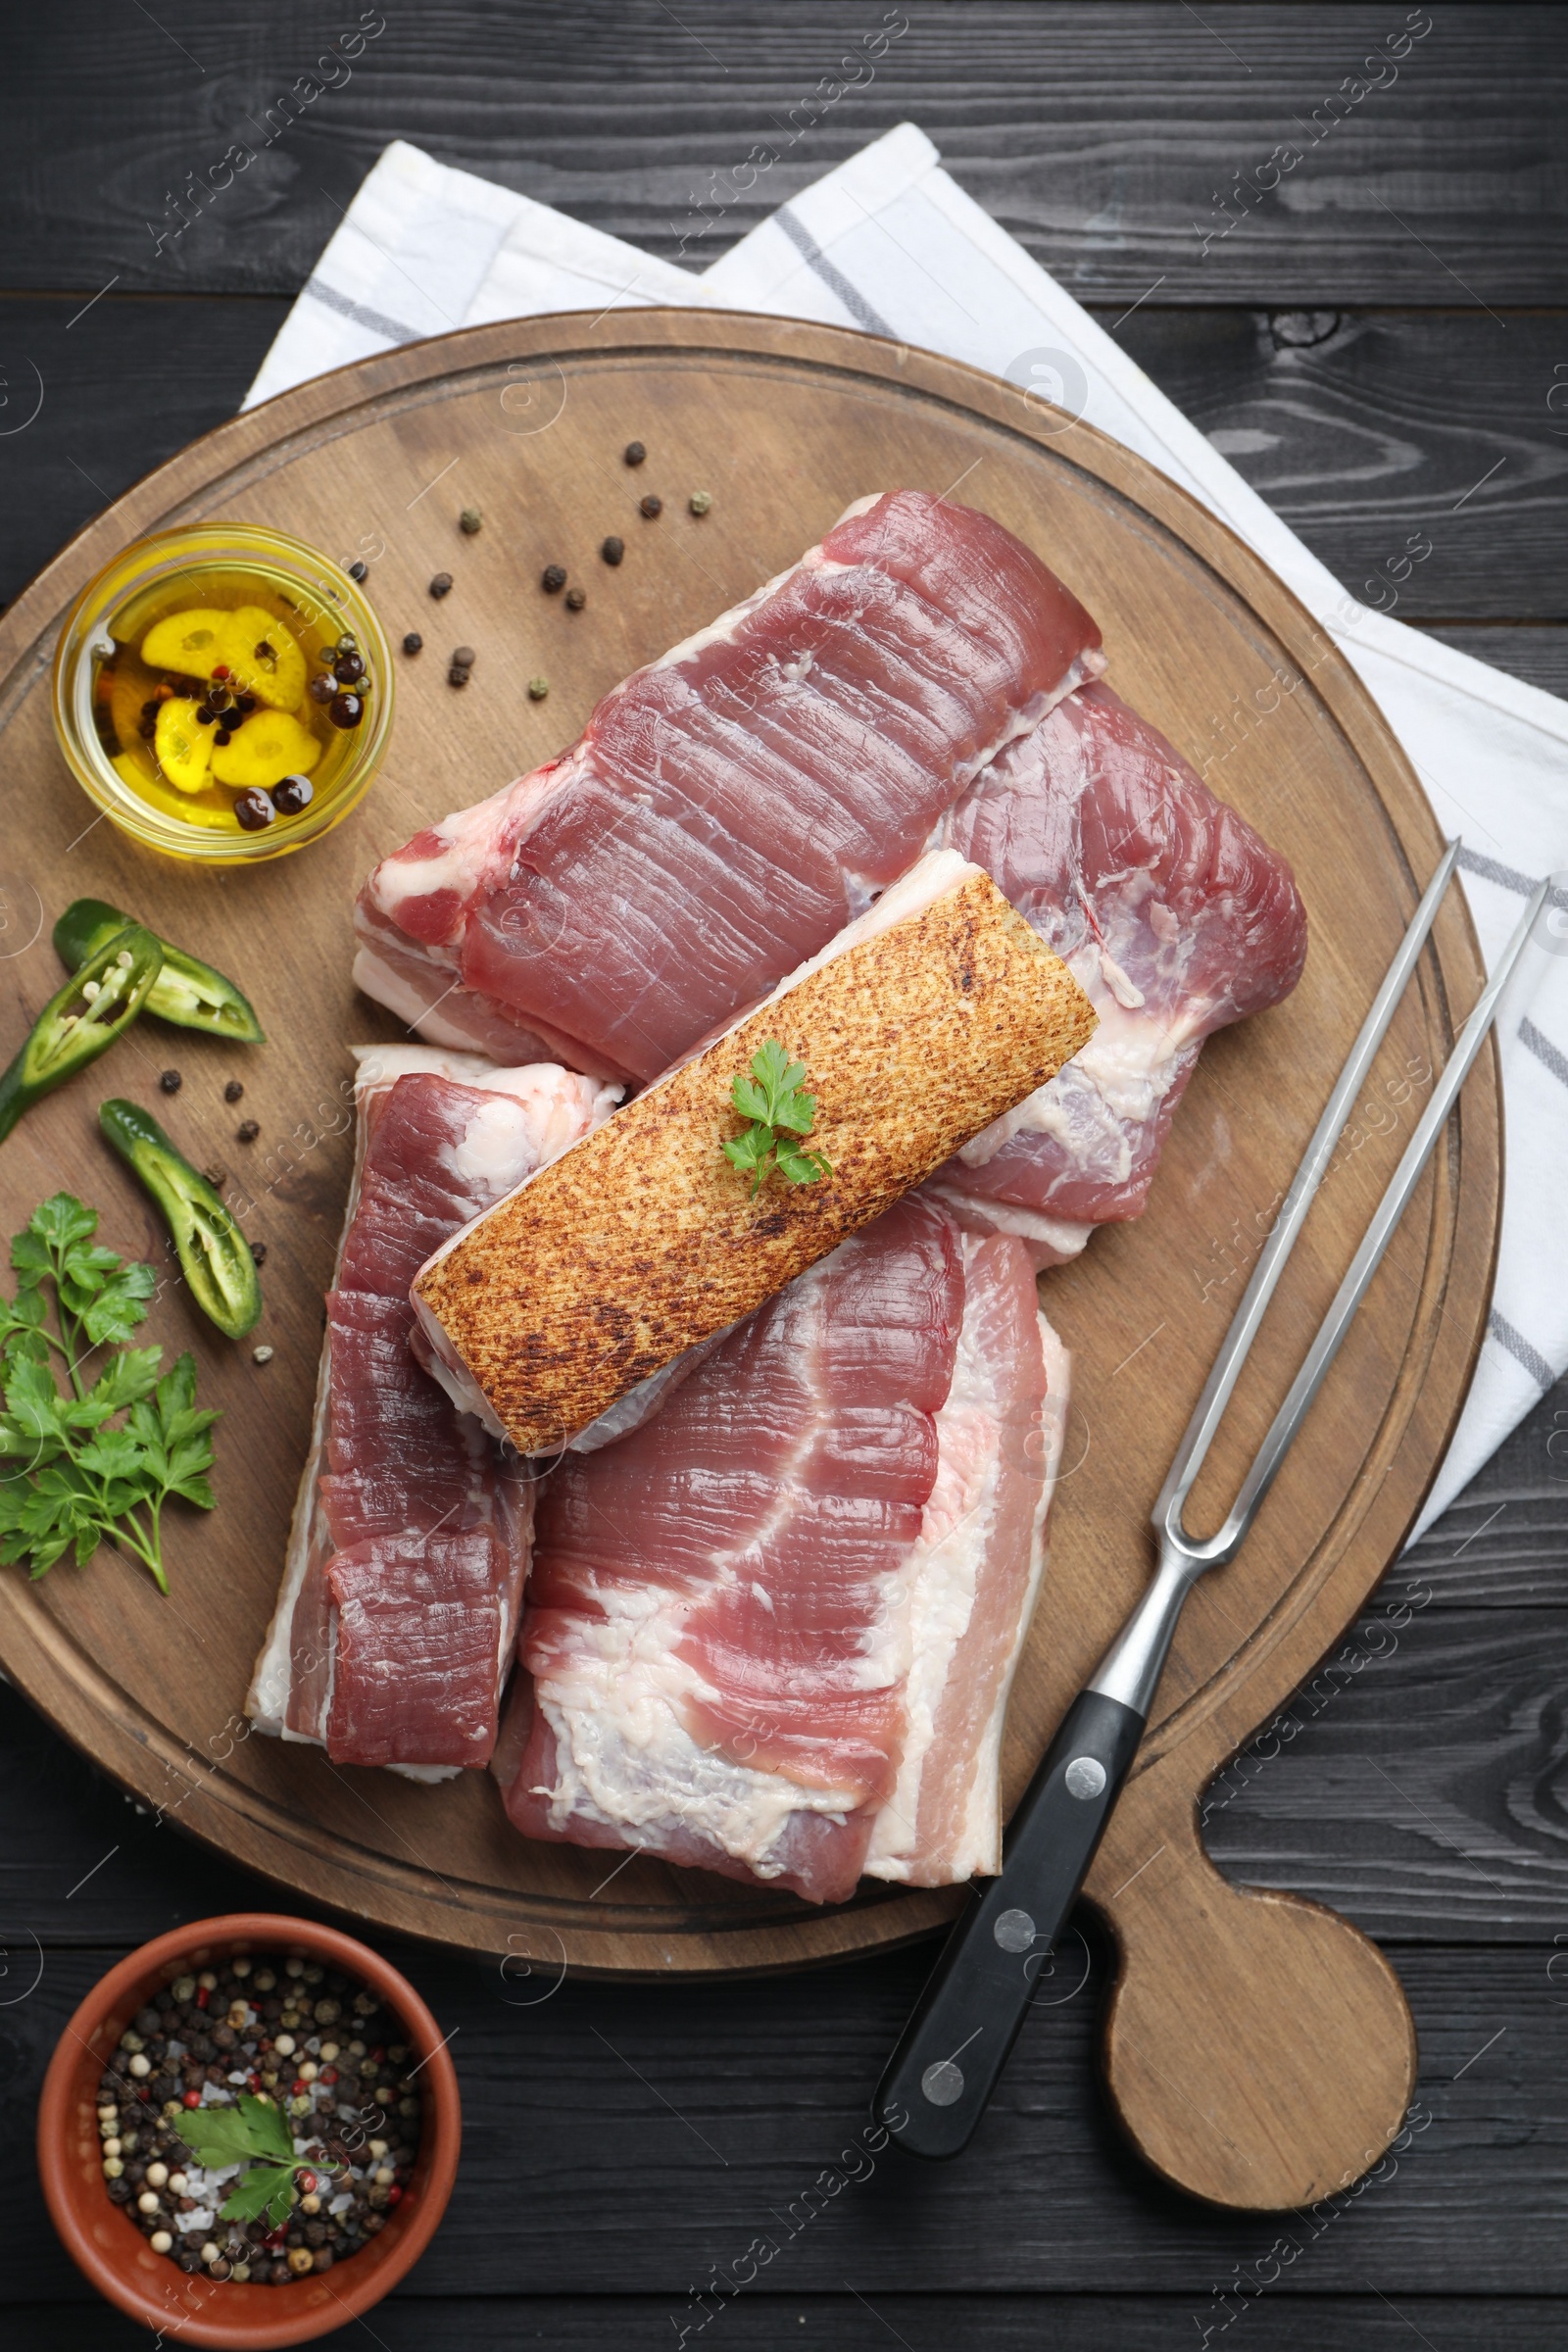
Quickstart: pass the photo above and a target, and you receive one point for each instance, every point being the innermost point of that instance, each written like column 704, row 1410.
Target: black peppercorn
column 413, row 642
column 170, row 1082
column 577, row 598
column 223, row 735
column 441, row 585
column 635, row 452
column 254, row 808
column 652, row 506
column 233, row 1090
column 553, row 579
column 292, row 794
column 345, row 710
column 247, row 1130
column 457, row 675
column 359, row 571
column 348, row 668
column 323, row 686
column 612, row 550
column 259, row 1253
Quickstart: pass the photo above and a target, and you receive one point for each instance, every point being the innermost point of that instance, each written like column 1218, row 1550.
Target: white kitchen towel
column 891, row 244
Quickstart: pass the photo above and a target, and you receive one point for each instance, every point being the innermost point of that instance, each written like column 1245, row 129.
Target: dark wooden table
column 1382, row 347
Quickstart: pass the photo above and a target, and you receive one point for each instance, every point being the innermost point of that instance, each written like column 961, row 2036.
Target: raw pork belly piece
column 732, row 806
column 410, row 1535
column 1173, row 913
column 772, row 1631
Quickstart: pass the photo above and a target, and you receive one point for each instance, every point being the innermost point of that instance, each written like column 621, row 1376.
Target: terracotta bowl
column 106, row 2244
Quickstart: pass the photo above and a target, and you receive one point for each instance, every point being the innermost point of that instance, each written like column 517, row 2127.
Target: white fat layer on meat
column 541, row 1109
column 930, row 1611
column 936, row 873
column 1111, row 1088
column 465, row 838
column 1063, row 1237
column 623, row 1755
column 399, row 994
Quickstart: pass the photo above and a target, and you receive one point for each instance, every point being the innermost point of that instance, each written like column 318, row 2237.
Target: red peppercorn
column 190, row 2098
column 203, row 1996
column 220, row 669
column 308, row 2184
column 277, row 2238
column 298, row 2088
column 253, row 2083
column 378, row 2054
column 394, row 2196
column 328, row 2075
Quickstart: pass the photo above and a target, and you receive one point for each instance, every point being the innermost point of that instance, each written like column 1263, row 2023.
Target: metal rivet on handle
column 1086, row 1776
column 943, row 2082
column 1014, row 1931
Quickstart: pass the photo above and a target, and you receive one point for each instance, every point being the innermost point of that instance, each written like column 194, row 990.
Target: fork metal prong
column 1244, row 1327
column 1374, row 1242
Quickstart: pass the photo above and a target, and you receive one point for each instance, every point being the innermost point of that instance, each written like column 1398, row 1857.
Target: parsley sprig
column 780, row 1111
column 252, row 2132
column 79, row 1479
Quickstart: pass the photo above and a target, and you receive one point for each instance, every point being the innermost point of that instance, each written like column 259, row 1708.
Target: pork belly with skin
column 772, row 1631
column 1175, row 917
column 410, row 1543
column 729, row 808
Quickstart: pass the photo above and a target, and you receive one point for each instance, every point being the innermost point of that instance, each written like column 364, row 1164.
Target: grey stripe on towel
column 1519, row 1347
column 853, row 299
column 376, row 321
column 1544, row 1052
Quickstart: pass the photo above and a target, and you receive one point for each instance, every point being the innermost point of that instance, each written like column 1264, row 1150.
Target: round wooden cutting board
column 1253, row 2038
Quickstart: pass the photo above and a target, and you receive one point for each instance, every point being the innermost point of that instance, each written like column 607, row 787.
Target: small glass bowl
column 321, row 590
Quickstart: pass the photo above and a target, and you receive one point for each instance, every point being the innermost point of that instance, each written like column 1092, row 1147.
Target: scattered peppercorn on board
column 756, row 434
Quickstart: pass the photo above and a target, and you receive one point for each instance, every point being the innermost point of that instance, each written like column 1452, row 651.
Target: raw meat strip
column 729, row 808
column 772, row 1633
column 410, row 1535
column 1175, row 917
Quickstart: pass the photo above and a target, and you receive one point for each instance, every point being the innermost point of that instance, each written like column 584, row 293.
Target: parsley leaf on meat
column 774, row 1101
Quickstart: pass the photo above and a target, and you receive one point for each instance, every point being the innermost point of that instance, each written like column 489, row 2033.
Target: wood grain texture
column 624, row 2145
column 846, row 2322
column 116, row 405
column 1421, row 455
column 643, row 1241
column 106, row 1661
column 1104, row 138
column 1379, row 429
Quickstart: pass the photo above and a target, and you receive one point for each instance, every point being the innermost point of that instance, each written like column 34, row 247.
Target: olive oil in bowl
column 223, row 693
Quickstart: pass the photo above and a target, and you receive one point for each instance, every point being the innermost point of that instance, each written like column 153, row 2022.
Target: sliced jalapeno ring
column 83, row 1020
column 190, row 994
column 214, row 1253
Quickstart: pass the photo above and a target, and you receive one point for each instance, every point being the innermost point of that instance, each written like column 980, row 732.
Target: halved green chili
column 213, row 1251
column 79, row 1023
column 187, row 991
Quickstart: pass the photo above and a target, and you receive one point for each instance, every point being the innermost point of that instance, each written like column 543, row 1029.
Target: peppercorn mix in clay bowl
column 224, row 2154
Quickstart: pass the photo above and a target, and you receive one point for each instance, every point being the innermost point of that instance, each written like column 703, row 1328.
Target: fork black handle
column 952, row 2050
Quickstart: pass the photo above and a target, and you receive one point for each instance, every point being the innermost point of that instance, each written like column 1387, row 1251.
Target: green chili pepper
column 186, row 991
column 214, row 1252
column 82, row 1020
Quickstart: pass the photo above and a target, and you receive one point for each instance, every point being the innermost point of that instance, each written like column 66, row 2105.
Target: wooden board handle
column 1258, row 2049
